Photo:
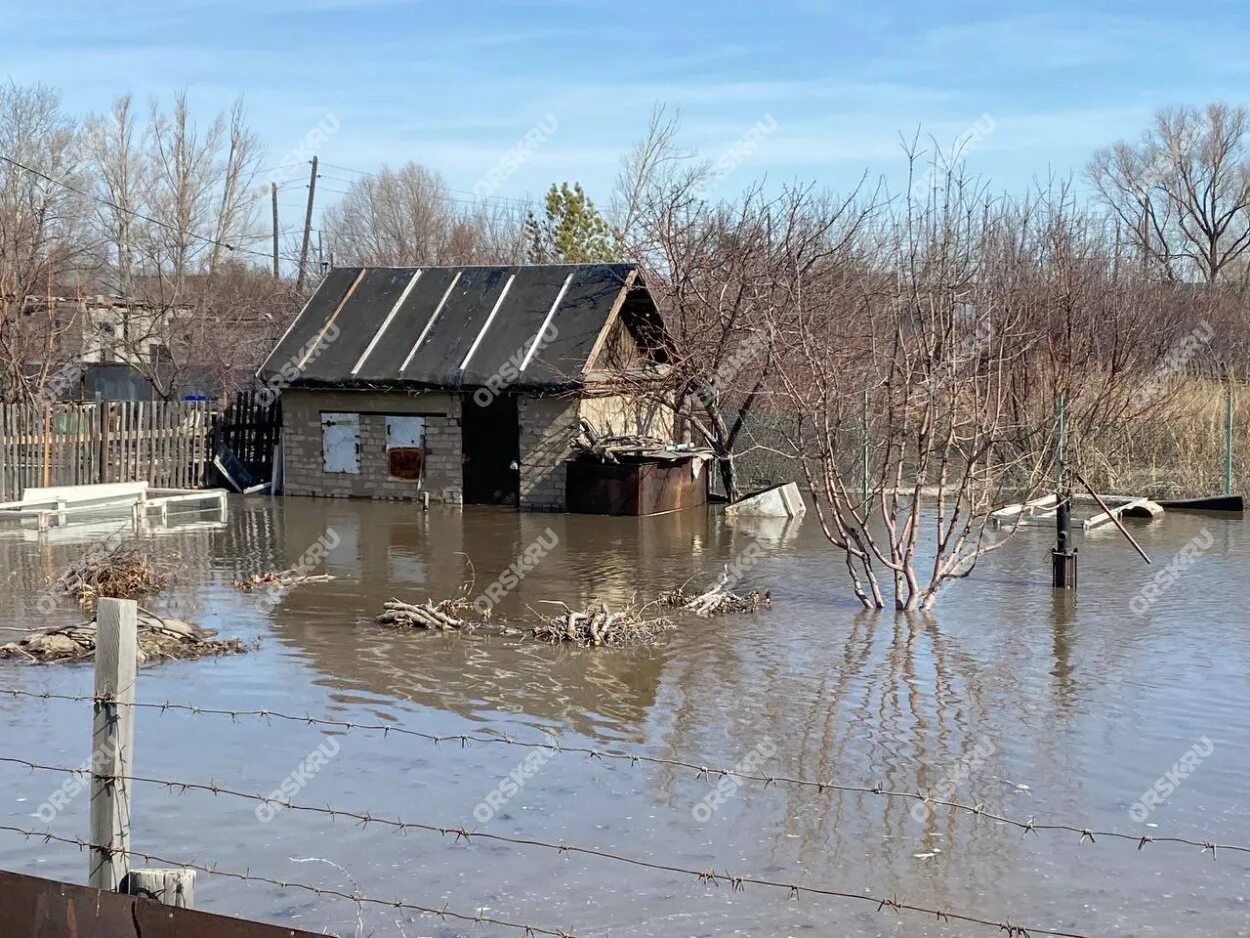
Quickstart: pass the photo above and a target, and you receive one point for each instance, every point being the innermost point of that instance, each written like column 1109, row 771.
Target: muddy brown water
column 1058, row 707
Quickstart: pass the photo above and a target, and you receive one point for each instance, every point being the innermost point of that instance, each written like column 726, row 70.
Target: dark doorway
column 492, row 449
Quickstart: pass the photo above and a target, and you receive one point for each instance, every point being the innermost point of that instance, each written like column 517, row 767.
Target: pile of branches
column 597, row 625
column 444, row 616
column 718, row 600
column 610, row 448
column 279, row 579
column 158, row 639
column 125, row 571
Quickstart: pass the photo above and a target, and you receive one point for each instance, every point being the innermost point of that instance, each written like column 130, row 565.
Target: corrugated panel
column 386, row 363
column 311, row 320
column 578, row 322
column 437, row 360
column 358, row 322
column 388, row 330
column 518, row 321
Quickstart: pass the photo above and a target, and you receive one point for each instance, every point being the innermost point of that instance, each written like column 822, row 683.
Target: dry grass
column 1177, row 451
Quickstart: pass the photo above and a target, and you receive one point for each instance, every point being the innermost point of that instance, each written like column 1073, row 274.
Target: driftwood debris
column 125, row 571
column 159, row 639
column 444, row 616
column 718, row 600
column 279, row 579
column 597, row 625
column 612, row 448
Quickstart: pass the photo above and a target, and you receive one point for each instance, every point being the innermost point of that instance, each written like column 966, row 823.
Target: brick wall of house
column 303, row 460
column 548, row 426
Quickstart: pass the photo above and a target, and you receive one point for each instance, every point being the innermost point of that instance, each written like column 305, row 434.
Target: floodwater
column 1035, row 703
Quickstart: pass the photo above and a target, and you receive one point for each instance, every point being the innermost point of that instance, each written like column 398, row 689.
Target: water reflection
column 1015, row 696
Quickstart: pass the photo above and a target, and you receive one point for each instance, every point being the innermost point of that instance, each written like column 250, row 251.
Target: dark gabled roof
column 459, row 326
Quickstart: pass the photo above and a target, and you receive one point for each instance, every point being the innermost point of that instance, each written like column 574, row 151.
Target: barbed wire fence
column 110, row 849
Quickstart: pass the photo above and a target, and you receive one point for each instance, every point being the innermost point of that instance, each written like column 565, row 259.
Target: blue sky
column 455, row 85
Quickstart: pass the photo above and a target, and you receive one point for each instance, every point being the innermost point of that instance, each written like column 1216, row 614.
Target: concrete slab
column 783, row 501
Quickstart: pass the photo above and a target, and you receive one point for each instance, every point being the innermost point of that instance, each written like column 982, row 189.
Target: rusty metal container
column 641, row 487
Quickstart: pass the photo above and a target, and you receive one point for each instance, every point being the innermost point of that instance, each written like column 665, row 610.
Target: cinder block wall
column 303, row 472
column 548, row 426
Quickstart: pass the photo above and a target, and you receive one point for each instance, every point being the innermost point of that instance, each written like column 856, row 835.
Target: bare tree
column 42, row 237
column 1182, row 192
column 407, row 216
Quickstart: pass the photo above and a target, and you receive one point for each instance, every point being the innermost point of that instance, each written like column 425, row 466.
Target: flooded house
column 463, row 384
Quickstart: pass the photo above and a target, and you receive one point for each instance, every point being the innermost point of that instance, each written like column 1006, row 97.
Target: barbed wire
column 701, row 770
column 248, row 876
column 705, row 877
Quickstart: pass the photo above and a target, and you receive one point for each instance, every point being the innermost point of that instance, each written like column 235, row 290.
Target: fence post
column 112, row 741
column 174, row 886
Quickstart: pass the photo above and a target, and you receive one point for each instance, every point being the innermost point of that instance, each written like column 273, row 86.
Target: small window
column 405, row 447
column 340, row 442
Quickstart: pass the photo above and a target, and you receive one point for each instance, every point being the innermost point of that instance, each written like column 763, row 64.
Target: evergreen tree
column 571, row 230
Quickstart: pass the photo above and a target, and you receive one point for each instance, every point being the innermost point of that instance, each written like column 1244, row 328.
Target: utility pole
column 273, row 192
column 303, row 251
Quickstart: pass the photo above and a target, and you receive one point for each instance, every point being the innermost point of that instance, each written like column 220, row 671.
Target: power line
column 249, row 876
column 519, row 203
column 702, row 771
column 140, row 215
column 736, row 883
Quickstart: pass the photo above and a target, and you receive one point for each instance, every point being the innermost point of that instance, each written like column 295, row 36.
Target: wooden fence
column 161, row 442
column 251, row 429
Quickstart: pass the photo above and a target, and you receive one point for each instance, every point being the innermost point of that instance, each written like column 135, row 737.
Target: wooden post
column 47, row 445
column 112, row 741
column 303, row 251
column 174, row 886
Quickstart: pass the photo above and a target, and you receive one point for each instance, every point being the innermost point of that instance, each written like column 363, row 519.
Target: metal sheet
column 312, row 319
column 32, row 907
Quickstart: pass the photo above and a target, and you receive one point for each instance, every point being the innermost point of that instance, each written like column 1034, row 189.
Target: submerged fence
column 165, row 443
column 109, row 853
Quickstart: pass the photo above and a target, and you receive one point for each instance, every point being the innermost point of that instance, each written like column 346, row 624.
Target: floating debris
column 158, row 639
column 718, row 600
column 597, row 625
column 444, row 616
column 279, row 579
column 125, row 571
